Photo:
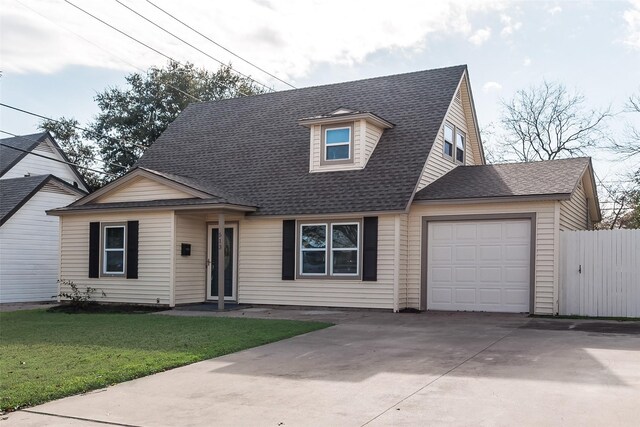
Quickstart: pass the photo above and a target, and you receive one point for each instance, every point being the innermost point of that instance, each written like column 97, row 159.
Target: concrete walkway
column 383, row 369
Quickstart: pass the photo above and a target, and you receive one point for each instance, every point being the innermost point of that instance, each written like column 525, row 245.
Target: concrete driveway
column 383, row 369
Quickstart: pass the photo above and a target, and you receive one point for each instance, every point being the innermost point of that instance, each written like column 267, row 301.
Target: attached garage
column 479, row 264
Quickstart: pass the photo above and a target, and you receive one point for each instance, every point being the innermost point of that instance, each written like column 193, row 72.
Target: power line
column 137, row 41
column 104, row 50
column 190, row 45
column 219, row 45
column 144, row 147
column 51, row 158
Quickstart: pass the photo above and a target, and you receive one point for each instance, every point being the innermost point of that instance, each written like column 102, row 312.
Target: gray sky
column 54, row 59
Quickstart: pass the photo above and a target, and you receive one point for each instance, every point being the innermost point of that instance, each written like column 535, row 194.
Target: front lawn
column 45, row 356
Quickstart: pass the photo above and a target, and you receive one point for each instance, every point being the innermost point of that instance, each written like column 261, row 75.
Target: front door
column 230, row 263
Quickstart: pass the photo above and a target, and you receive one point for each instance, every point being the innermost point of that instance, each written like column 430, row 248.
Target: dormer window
column 454, row 144
column 337, row 143
column 343, row 139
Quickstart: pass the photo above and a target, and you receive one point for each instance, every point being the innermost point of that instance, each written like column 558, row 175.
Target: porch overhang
column 182, row 205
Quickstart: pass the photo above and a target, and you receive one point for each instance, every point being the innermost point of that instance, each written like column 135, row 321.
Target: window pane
column 114, row 238
column 114, row 261
column 313, row 262
column 345, row 236
column 314, row 236
column 345, row 262
column 448, row 134
column 459, row 155
column 335, row 136
column 448, row 149
column 460, row 141
column 339, row 152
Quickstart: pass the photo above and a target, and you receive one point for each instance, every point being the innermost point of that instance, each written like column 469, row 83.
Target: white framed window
column 313, row 249
column 345, row 249
column 449, row 133
column 330, row 249
column 460, row 146
column 114, row 237
column 337, row 143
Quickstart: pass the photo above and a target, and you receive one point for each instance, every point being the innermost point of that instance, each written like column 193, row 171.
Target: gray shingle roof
column 254, row 148
column 553, row 177
column 217, row 193
column 9, row 156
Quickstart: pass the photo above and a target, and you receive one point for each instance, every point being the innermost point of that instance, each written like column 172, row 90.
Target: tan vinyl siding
column 573, row 212
column 546, row 245
column 260, row 271
column 141, row 189
column 473, row 139
column 404, row 259
column 372, row 136
column 190, row 271
column 460, row 116
column 154, row 256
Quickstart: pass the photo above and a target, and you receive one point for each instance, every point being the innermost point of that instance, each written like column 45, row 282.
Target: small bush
column 76, row 297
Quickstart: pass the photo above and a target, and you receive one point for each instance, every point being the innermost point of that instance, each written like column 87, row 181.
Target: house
column 34, row 177
column 372, row 193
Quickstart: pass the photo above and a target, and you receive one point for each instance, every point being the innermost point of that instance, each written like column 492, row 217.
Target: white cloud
column 287, row 38
column 480, row 36
column 632, row 19
column 553, row 10
column 510, row 26
column 491, row 87
column 526, row 61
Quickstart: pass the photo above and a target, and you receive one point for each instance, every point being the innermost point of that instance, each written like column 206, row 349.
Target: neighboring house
column 30, row 184
column 372, row 193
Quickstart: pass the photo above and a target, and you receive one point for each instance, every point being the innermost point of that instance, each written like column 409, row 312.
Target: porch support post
column 220, row 260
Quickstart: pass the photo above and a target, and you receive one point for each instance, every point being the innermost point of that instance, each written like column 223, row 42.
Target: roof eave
column 494, row 199
column 200, row 207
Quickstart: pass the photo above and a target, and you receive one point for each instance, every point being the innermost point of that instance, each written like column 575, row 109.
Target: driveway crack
column 473, row 356
column 79, row 418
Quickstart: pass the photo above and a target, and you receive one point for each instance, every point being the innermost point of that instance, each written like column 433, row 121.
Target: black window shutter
column 132, row 249
column 288, row 249
column 370, row 249
column 94, row 249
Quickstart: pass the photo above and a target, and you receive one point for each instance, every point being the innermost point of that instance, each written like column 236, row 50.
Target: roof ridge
column 328, row 85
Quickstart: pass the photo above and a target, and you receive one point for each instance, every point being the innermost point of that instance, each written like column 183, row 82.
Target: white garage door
column 479, row 265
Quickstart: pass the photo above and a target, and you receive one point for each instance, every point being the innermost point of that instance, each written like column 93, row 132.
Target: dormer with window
column 343, row 139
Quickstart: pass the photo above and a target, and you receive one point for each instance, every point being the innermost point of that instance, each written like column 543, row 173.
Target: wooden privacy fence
column 600, row 273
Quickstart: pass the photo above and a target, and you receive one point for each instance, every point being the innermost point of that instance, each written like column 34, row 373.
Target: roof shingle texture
column 552, row 177
column 254, row 148
column 9, row 156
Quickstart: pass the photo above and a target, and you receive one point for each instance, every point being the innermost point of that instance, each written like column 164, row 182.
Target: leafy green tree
column 77, row 149
column 132, row 118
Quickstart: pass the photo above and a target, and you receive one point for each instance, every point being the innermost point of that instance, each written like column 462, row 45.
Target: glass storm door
column 230, row 262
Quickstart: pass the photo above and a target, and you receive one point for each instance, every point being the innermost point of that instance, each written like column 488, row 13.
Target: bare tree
column 630, row 145
column 547, row 122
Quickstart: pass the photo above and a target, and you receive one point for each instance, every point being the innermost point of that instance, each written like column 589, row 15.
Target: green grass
column 45, row 356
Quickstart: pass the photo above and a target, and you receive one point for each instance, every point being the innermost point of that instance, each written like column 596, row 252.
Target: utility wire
column 50, row 158
column 92, row 158
column 144, row 147
column 219, row 45
column 104, row 50
column 138, row 41
column 189, row 44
